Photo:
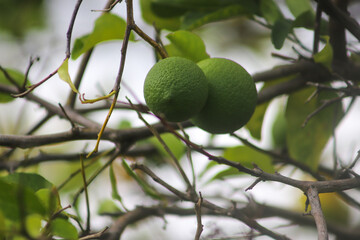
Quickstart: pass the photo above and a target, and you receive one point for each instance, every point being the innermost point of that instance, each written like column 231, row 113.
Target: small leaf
column 114, row 191
column 50, row 199
column 174, row 144
column 270, row 11
column 164, row 10
column 17, row 76
column 108, row 206
column 278, row 130
column 17, row 201
column 124, row 124
column 228, row 172
column 2, row 224
column 305, row 20
column 255, row 123
column 195, row 19
column 33, row 225
column 64, row 229
column 210, row 165
column 202, row 5
column 305, row 144
column 186, row 44
column 144, row 186
column 248, row 156
column 325, row 56
column 280, row 31
column 147, row 13
column 31, row 180
column 107, row 27
column 298, row 7
column 63, row 73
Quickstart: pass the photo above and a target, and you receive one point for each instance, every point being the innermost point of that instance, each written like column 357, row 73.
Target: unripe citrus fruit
column 232, row 96
column 175, row 88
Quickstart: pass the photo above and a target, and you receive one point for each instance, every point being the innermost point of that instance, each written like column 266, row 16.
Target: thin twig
column 317, row 26
column 322, row 107
column 253, row 184
column 284, row 158
column 83, row 64
column 97, row 173
column 313, row 198
column 8, row 77
column 198, row 206
column 110, row 7
column 161, row 50
column 67, row 116
column 95, row 235
column 151, row 174
column 116, row 88
column 171, row 154
column 31, row 62
column 71, row 26
column 83, row 175
column 32, row 87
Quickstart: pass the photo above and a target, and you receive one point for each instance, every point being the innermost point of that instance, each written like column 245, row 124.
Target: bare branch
column 341, row 16
column 71, row 26
column 317, row 213
column 200, row 226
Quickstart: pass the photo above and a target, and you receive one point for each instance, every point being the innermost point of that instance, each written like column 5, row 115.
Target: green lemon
column 175, row 88
column 232, row 97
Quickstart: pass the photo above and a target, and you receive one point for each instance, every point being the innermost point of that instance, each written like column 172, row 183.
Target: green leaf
column 144, row 185
column 186, row 44
column 114, row 191
column 107, row 27
column 19, row 17
column 325, row 56
column 210, row 165
column 32, row 181
column 228, row 172
column 174, row 144
column 63, row 73
column 305, row 20
column 165, row 10
column 17, row 76
column 270, row 11
column 124, row 124
column 147, row 13
column 33, row 225
column 64, row 229
column 255, row 123
column 248, row 156
column 50, row 199
column 280, row 31
column 298, row 7
column 305, row 144
column 108, row 206
column 202, row 5
column 2, row 224
column 17, row 201
column 278, row 131
column 195, row 19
